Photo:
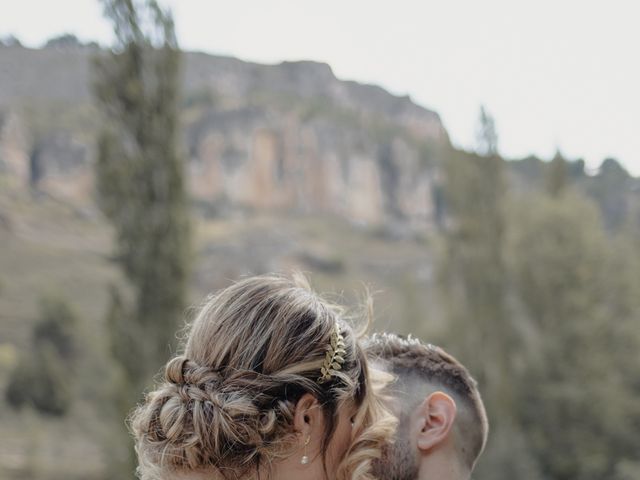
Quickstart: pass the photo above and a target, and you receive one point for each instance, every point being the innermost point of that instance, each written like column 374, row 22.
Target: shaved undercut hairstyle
column 421, row 369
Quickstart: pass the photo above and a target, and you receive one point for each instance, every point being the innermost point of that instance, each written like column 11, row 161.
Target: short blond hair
column 226, row 405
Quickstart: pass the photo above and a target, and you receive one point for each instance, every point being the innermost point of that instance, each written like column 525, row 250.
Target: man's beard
column 398, row 460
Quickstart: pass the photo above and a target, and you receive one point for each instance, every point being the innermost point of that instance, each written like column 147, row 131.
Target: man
column 443, row 426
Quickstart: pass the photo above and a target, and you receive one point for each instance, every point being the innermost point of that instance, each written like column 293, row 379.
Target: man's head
column 438, row 406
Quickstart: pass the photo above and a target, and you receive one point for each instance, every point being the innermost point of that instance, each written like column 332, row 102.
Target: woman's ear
column 308, row 415
column 435, row 416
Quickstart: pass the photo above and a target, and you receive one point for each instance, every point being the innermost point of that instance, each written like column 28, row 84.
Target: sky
column 555, row 74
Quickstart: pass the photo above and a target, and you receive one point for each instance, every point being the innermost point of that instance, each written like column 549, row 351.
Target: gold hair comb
column 334, row 357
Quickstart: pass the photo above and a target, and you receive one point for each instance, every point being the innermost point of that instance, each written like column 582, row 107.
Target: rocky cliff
column 286, row 136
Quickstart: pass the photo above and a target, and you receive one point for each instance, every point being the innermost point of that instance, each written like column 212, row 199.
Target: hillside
column 49, row 246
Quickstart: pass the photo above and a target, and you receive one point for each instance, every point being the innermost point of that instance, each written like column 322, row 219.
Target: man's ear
column 308, row 415
column 436, row 416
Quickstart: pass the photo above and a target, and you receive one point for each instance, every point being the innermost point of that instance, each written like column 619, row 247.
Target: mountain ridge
column 289, row 135
column 304, row 77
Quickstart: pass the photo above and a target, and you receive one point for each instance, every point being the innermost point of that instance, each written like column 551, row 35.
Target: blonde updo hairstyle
column 225, row 407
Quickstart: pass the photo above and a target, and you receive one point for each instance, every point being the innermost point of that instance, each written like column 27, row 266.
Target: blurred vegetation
column 543, row 305
column 141, row 190
column 42, row 377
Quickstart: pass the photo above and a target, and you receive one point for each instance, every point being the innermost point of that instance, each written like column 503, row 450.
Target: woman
column 273, row 384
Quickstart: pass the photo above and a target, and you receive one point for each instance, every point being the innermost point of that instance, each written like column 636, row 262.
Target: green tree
column 475, row 288
column 612, row 188
column 575, row 395
column 42, row 379
column 486, row 134
column 141, row 189
column 140, row 174
column 474, row 264
column 557, row 175
column 473, row 271
column 57, row 326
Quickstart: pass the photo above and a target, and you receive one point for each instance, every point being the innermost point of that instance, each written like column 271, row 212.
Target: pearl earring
column 305, row 459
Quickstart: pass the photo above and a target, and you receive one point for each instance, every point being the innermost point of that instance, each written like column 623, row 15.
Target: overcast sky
column 554, row 73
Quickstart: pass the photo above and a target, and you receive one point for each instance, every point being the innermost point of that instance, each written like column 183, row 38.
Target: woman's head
column 249, row 394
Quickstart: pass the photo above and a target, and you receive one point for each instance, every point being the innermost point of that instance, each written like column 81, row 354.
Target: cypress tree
column 474, row 280
column 140, row 178
column 557, row 175
column 141, row 190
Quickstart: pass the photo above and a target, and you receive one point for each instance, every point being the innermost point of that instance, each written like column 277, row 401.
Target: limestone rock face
column 266, row 160
column 285, row 137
